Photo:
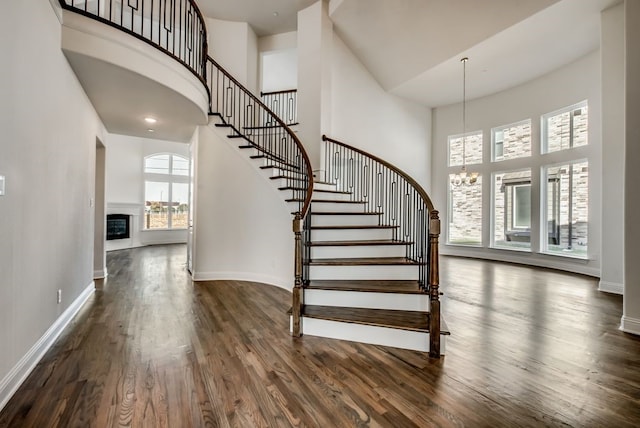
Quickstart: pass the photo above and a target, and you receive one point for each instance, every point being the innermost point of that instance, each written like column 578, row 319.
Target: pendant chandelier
column 463, row 177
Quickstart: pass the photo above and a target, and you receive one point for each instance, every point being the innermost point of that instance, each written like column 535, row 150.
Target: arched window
column 166, row 191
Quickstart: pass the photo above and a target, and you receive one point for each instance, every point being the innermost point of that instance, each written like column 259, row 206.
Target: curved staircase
column 366, row 236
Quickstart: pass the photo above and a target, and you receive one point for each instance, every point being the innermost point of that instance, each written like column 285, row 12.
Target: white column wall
column 631, row 312
column 612, row 64
column 315, row 34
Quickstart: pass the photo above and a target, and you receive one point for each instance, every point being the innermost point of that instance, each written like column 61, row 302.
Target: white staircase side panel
column 357, row 251
column 350, row 234
column 359, row 299
column 345, row 220
column 381, row 272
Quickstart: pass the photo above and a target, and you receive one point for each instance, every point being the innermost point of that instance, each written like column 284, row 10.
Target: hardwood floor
column 529, row 348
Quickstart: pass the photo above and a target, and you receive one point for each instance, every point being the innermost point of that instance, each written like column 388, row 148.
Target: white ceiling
column 413, row 47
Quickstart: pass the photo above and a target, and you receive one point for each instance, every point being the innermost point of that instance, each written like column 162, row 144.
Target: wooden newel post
column 434, row 284
column 296, row 307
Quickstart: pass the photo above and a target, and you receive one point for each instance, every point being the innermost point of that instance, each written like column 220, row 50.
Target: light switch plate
column 2, row 185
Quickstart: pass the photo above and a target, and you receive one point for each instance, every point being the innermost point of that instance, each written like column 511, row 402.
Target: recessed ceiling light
column 151, row 130
column 275, row 14
column 150, row 120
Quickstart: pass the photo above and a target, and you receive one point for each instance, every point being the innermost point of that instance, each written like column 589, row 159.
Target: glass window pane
column 512, row 209
column 512, row 141
column 465, row 213
column 567, row 200
column 472, row 153
column 156, row 205
column 180, row 166
column 180, row 205
column 566, row 129
column 158, row 164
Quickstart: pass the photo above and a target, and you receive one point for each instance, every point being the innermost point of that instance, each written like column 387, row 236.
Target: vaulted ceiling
column 413, row 47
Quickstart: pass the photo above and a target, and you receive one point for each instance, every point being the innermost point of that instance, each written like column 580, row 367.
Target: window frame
column 169, row 179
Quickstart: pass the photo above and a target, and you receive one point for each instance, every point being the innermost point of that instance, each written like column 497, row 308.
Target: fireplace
column 118, row 226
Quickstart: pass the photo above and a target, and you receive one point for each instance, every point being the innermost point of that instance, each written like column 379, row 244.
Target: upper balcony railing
column 176, row 27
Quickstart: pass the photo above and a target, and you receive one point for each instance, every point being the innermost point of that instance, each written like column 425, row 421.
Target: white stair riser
column 358, row 299
column 350, row 234
column 328, row 252
column 380, row 272
column 324, row 186
column 332, row 196
column 283, row 182
column 330, row 207
column 384, row 336
column 345, row 220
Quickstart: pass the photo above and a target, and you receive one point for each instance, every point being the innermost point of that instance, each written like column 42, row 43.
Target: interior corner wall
column 47, row 155
column 612, row 64
column 242, row 226
column 234, row 45
column 125, row 187
column 314, row 41
column 631, row 315
column 577, row 81
column 383, row 124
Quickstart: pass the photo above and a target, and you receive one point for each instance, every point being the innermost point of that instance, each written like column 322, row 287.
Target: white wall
column 612, row 63
column 125, row 187
column 278, row 62
column 279, row 70
column 47, row 153
column 234, row 46
column 365, row 116
column 631, row 316
column 568, row 85
column 242, row 226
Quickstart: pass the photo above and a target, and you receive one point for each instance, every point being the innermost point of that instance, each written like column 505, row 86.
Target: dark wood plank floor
column 529, row 348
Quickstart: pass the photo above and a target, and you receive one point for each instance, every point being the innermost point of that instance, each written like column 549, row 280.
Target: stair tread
column 345, row 213
column 338, row 192
column 358, row 243
column 374, row 286
column 334, row 201
column 364, row 261
column 277, row 177
column 282, row 167
column 292, row 188
column 263, row 127
column 403, row 320
column 364, row 226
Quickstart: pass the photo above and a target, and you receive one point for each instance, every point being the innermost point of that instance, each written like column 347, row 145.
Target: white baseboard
column 611, row 287
column 12, row 381
column 630, row 325
column 284, row 283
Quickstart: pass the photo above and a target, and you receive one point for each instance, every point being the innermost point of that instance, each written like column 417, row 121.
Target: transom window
column 565, row 129
column 512, row 141
column 465, row 149
column 166, row 191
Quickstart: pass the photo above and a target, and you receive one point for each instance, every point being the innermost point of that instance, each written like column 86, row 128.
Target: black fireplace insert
column 117, row 226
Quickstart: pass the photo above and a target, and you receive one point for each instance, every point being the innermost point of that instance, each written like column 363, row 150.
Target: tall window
column 465, row 200
column 166, row 191
column 566, row 195
column 567, row 208
column 512, row 209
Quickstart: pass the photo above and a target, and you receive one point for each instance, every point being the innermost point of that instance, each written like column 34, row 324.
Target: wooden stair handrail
column 392, row 167
column 307, row 201
column 432, row 223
